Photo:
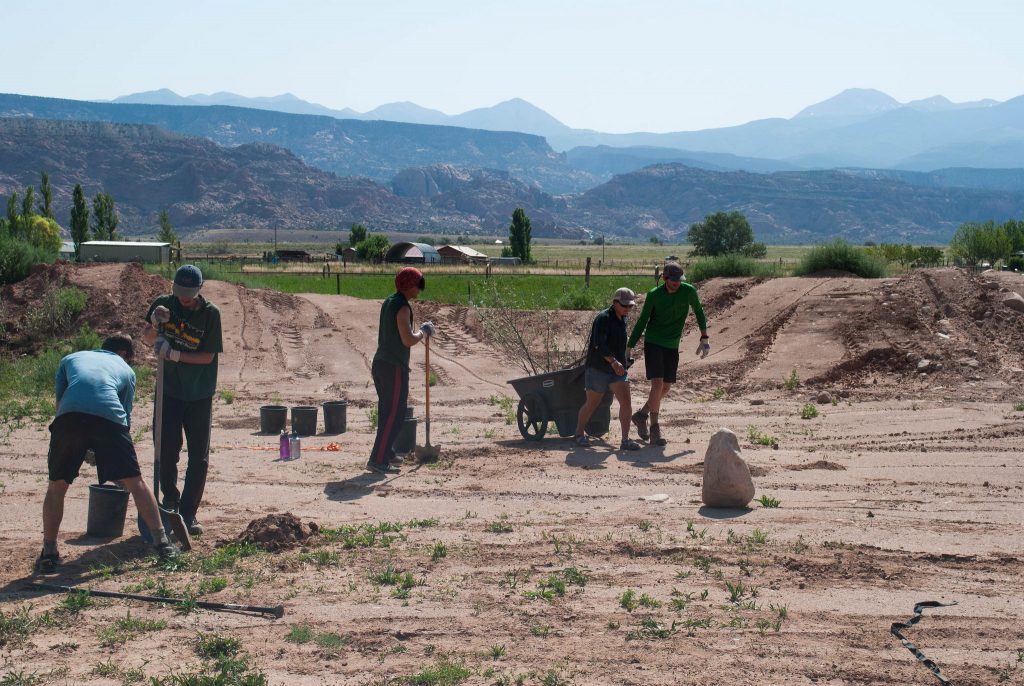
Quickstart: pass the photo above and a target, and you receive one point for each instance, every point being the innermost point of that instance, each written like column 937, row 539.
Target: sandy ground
column 906, row 488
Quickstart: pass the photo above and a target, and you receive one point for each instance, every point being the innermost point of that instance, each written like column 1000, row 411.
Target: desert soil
column 906, row 487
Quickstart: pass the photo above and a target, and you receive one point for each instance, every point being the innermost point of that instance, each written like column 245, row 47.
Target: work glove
column 161, row 315
column 428, row 329
column 163, row 349
column 704, row 348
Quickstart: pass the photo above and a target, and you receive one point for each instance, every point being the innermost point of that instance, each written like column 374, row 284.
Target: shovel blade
column 428, row 453
column 173, row 524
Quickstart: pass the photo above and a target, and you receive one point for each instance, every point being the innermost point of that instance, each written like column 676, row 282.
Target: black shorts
column 74, row 433
column 661, row 363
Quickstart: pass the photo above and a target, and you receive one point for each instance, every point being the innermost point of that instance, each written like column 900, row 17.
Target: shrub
column 54, row 315
column 841, row 256
column 732, row 264
column 582, row 299
column 17, row 258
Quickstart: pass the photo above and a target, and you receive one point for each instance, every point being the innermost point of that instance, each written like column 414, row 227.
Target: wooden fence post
column 587, row 276
column 337, row 283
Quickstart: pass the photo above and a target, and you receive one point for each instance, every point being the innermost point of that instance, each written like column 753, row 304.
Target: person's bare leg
column 145, row 502
column 53, row 514
column 621, row 391
column 656, row 398
column 593, row 400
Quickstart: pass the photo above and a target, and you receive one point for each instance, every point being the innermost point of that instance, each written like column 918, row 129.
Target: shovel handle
column 426, row 343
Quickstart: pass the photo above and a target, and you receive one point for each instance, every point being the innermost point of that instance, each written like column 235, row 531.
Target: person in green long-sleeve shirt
column 661, row 324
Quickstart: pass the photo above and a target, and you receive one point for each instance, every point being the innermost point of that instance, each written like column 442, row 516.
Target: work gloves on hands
column 163, row 349
column 161, row 315
column 428, row 329
column 704, row 348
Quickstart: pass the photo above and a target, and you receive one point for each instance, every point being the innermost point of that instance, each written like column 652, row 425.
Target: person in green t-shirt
column 661, row 323
column 184, row 328
column 390, row 368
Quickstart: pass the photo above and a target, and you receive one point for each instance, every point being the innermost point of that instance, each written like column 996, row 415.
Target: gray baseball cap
column 673, row 272
column 625, row 296
column 187, row 281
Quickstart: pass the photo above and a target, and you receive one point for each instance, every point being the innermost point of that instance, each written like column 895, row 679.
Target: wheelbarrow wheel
column 533, row 417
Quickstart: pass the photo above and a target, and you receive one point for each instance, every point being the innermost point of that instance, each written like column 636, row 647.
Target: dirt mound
column 117, row 298
column 818, row 464
column 278, row 532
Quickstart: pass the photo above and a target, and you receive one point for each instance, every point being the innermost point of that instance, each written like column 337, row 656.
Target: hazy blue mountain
column 348, row 147
column 511, row 115
column 408, row 112
column 604, row 161
column 956, row 177
column 852, row 103
column 788, row 207
column 939, row 103
column 252, row 185
column 286, row 102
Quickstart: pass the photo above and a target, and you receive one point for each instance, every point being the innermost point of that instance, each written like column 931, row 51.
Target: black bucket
column 334, row 416
column 304, row 420
column 405, row 441
column 273, row 419
column 108, row 506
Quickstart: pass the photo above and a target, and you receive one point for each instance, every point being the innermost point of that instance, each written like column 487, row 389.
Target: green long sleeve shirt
column 664, row 314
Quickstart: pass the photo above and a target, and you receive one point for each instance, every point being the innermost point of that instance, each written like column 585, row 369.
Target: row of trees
column 974, row 243
column 923, row 256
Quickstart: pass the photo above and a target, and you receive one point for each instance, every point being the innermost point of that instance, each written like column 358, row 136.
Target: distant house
column 412, row 253
column 349, row 255
column 125, row 251
column 294, row 256
column 505, row 261
column 461, row 254
column 67, row 250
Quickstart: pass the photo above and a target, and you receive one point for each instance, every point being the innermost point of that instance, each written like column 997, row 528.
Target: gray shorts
column 598, row 381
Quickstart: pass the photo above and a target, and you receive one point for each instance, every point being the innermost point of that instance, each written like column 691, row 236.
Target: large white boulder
column 727, row 480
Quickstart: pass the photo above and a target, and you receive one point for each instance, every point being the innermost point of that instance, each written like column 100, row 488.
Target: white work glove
column 704, row 348
column 428, row 329
column 163, row 349
column 161, row 315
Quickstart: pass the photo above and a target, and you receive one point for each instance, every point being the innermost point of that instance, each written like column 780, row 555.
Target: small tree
column 105, row 220
column 167, row 234
column 28, row 204
column 12, row 214
column 720, row 233
column 973, row 243
column 356, row 235
column 519, row 235
column 46, row 204
column 79, row 220
column 44, row 233
column 373, row 248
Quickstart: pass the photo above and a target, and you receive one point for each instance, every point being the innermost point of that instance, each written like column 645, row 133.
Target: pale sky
column 614, row 66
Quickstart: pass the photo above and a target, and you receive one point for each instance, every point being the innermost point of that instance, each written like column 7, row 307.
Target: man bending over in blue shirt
column 95, row 390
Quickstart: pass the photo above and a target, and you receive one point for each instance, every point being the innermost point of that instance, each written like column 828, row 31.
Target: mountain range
column 256, row 185
column 858, row 127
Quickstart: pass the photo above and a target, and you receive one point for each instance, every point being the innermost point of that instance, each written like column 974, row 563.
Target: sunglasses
column 620, row 304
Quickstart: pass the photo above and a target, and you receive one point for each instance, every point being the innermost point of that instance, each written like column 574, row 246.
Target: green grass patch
column 730, row 265
column 128, row 627
column 443, row 673
column 18, row 625
column 213, row 646
column 841, row 256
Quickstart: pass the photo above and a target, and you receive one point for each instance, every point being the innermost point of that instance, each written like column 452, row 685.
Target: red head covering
column 409, row 277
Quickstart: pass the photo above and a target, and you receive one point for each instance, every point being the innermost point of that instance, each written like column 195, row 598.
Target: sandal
column 629, row 444
column 581, row 440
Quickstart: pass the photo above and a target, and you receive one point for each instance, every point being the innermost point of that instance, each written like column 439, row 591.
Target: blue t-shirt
column 96, row 382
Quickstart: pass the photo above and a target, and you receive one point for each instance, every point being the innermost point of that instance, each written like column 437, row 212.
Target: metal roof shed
column 125, row 251
column 414, row 253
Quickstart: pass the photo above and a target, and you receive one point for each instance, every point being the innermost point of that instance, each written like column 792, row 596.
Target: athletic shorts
column 72, row 434
column 661, row 363
column 598, row 381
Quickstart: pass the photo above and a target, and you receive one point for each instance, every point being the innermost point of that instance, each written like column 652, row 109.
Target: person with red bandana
column 390, row 368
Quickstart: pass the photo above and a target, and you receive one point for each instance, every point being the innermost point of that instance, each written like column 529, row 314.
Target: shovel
column 172, row 521
column 428, row 453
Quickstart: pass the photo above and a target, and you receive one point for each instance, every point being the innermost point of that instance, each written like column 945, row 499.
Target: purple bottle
column 284, row 445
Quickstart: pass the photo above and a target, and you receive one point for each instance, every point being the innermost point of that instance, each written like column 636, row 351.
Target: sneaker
column 629, row 444
column 166, row 551
column 656, row 437
column 640, row 422
column 385, row 468
column 582, row 440
column 195, row 528
column 47, row 564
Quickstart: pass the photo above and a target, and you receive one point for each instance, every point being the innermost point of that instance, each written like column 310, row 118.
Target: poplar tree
column 79, row 220
column 519, row 235
column 167, row 234
column 46, row 205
